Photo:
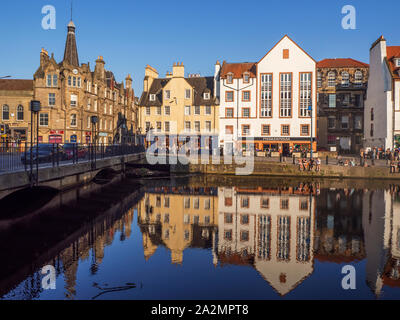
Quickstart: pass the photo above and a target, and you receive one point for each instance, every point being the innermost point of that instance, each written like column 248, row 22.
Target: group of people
column 309, row 164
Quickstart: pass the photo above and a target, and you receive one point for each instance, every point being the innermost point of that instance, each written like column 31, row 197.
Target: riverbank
column 265, row 168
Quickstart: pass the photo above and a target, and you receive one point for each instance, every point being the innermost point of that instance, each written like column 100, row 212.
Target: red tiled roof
column 341, row 63
column 16, row 84
column 393, row 52
column 238, row 69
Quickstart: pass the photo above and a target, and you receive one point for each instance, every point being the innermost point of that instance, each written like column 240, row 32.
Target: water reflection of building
column 178, row 218
column 339, row 232
column 269, row 229
column 381, row 222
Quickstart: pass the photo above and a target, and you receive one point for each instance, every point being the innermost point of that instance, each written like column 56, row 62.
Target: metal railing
column 24, row 157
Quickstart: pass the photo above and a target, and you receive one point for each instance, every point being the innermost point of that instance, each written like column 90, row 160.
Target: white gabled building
column 382, row 107
column 281, row 87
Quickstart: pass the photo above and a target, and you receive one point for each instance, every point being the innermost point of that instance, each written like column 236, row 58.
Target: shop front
column 286, row 146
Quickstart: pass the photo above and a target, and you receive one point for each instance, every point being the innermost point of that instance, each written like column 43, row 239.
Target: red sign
column 88, row 133
column 56, row 132
column 55, row 139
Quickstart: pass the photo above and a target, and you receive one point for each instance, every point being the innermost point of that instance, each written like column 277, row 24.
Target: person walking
column 318, row 165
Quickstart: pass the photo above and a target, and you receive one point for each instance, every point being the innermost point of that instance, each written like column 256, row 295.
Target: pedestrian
column 318, row 165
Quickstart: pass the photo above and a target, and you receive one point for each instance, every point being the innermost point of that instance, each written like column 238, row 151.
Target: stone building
column 70, row 94
column 15, row 96
column 177, row 105
column 341, row 86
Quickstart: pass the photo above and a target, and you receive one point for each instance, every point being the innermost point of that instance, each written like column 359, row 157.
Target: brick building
column 341, row 86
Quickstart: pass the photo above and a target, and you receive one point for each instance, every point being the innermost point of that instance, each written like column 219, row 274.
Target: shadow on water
column 25, row 201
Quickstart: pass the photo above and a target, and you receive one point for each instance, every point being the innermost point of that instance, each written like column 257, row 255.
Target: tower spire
column 71, row 51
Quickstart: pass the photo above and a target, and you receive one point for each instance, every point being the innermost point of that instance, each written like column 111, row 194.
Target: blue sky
column 130, row 34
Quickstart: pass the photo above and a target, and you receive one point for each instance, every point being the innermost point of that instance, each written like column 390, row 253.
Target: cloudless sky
column 130, row 34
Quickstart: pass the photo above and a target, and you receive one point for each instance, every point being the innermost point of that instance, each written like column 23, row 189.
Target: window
column 284, row 204
column 228, row 202
column 244, row 236
column 152, row 97
column 206, row 96
column 319, row 79
column 332, row 101
column 264, row 203
column 228, row 130
column 244, row 219
column 79, row 82
column 331, row 79
column 208, row 126
column 345, row 79
column 147, row 126
column 20, row 113
column 158, row 126
column 358, row 76
column 285, row 130
column 245, row 129
column 246, row 78
column 105, row 108
column 266, row 95
column 285, row 54
column 397, row 62
column 158, row 110
column 70, row 82
column 358, row 122
column 197, row 110
column 331, row 140
column 88, row 104
column 167, row 110
column 73, row 120
column 52, row 99
column 147, row 111
column 166, row 126
column 229, row 96
column 187, row 110
column 246, row 96
column 167, row 94
column 229, row 112
column 331, row 122
column 95, row 105
column 44, row 119
column 6, row 112
column 187, row 94
column 245, row 202
column 187, row 126
column 166, row 202
column 265, row 130
column 345, row 122
column 208, row 110
column 49, row 80
column 357, row 100
column 346, row 99
column 166, row 218
column 229, row 78
column 286, row 95
column 197, row 126
column 74, row 100
column 186, row 203
column 245, row 112
column 305, row 94
column 88, row 122
column 228, row 235
column 74, row 81
column 304, row 130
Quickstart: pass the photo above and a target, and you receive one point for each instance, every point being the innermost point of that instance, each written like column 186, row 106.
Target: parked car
column 69, row 151
column 45, row 153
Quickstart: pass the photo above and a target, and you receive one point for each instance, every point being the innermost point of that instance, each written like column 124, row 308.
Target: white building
column 382, row 107
column 266, row 104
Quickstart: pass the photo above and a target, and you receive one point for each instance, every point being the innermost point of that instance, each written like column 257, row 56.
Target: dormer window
column 397, row 62
column 246, row 78
column 229, row 78
column 152, row 97
column 206, row 96
column 167, row 94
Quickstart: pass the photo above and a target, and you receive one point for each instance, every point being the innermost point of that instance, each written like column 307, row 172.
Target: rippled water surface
column 196, row 239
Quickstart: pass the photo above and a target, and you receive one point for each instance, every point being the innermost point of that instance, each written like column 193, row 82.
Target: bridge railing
column 23, row 156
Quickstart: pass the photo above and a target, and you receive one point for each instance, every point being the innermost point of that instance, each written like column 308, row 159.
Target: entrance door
column 285, row 149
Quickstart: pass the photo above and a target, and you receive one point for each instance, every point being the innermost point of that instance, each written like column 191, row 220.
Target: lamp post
column 94, row 120
column 35, row 108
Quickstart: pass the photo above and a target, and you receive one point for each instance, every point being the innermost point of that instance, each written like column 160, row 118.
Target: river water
column 208, row 238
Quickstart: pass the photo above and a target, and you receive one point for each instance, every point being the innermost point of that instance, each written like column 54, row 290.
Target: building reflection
column 178, row 218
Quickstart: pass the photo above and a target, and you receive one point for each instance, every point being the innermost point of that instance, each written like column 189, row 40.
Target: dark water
column 196, row 239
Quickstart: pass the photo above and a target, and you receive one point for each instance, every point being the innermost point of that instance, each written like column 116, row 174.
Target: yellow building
column 178, row 105
column 178, row 220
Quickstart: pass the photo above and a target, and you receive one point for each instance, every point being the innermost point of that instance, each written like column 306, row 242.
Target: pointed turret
column 71, row 51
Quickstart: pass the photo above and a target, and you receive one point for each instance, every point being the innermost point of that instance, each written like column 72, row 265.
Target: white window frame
column 285, row 92
column 266, row 95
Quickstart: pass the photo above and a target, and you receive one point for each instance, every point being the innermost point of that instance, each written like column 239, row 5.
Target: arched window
column 6, row 112
column 331, row 79
column 20, row 113
column 345, row 79
column 358, row 76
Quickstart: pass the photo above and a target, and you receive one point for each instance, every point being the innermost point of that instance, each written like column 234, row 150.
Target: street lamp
column 35, row 108
column 94, row 120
